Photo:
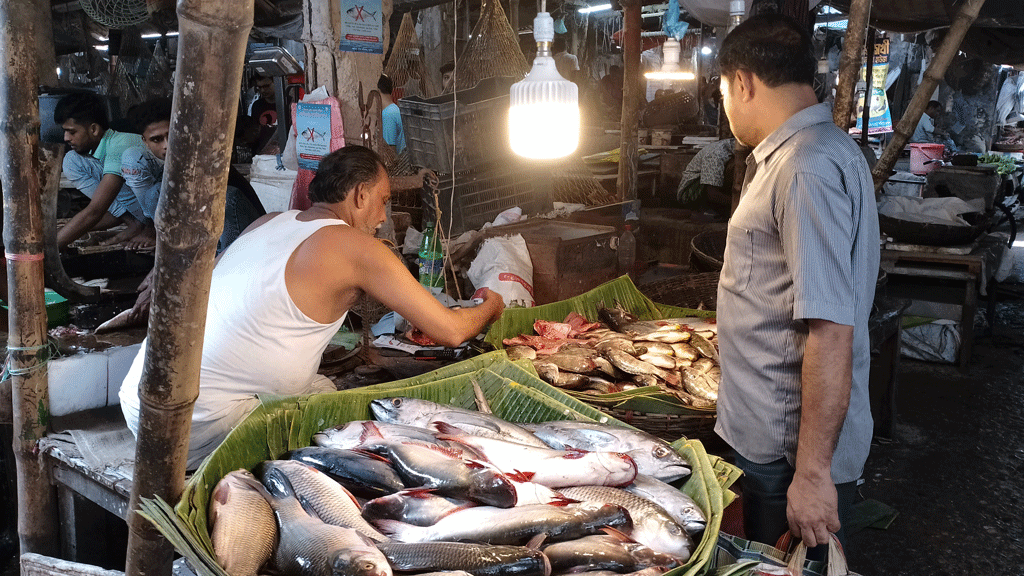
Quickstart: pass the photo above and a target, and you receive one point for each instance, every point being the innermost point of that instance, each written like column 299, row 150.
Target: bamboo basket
column 513, row 392
column 650, row 409
column 697, row 291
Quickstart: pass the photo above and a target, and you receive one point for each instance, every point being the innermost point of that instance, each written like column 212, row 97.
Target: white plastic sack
column 273, row 186
column 936, row 210
column 937, row 341
column 504, row 266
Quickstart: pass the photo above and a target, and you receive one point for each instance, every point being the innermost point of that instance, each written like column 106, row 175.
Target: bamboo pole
column 965, row 16
column 630, row 99
column 189, row 220
column 849, row 62
column 20, row 166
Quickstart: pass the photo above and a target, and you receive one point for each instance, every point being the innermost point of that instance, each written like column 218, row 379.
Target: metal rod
column 849, row 62
column 869, row 63
column 20, row 166
column 936, row 70
column 189, row 220
column 630, row 99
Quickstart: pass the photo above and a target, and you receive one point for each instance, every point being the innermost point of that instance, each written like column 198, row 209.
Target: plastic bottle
column 627, row 252
column 431, row 260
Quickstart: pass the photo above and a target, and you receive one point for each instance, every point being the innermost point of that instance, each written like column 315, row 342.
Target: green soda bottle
column 431, row 260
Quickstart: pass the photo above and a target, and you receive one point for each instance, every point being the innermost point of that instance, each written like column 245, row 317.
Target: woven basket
column 698, row 425
column 697, row 291
column 707, row 250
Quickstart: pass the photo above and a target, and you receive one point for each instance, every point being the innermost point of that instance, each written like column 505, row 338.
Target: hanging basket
column 116, row 14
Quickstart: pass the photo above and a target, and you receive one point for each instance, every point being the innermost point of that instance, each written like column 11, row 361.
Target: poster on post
column 880, row 119
column 362, row 26
column 313, row 142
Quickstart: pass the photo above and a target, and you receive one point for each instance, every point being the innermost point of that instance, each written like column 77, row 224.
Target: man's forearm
column 825, row 388
column 81, row 223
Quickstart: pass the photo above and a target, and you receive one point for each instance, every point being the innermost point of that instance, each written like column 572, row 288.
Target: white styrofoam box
column 119, row 360
column 77, row 383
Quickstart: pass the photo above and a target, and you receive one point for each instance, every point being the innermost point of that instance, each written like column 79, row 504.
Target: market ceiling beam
column 20, row 166
column 933, row 75
column 189, row 220
column 849, row 62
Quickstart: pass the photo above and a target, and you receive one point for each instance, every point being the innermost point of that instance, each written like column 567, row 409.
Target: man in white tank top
column 282, row 289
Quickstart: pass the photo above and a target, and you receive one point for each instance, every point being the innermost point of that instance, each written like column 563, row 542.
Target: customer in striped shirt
column 796, row 290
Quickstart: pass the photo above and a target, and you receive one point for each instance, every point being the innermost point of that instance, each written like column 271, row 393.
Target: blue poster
column 880, row 118
column 362, row 26
column 313, row 124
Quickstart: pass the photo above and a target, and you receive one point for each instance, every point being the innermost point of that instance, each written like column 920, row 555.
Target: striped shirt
column 802, row 244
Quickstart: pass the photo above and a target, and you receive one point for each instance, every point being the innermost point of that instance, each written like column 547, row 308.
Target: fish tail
column 397, row 530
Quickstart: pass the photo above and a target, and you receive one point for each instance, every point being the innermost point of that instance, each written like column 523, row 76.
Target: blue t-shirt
column 392, row 125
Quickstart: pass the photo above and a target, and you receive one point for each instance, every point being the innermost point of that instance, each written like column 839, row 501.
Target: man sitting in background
column 94, row 168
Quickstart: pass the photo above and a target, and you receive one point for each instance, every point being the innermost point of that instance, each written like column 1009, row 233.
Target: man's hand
column 428, row 176
column 140, row 310
column 812, row 508
column 493, row 300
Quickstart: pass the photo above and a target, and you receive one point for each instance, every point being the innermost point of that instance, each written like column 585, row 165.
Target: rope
column 41, row 360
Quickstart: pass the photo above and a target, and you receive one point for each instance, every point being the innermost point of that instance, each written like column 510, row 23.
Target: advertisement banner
column 362, row 26
column 313, row 125
column 880, row 119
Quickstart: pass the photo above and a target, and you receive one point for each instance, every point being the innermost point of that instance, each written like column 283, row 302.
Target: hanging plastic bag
column 312, row 131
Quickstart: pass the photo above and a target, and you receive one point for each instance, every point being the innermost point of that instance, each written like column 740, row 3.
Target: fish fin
column 466, row 506
column 418, row 492
column 446, row 429
column 448, row 451
column 397, row 530
column 619, row 534
column 574, row 453
column 477, row 465
column 563, row 501
column 368, row 454
column 535, row 542
column 520, row 476
column 308, row 507
column 370, row 430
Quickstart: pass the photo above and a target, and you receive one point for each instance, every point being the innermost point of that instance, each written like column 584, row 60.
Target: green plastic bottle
column 431, row 260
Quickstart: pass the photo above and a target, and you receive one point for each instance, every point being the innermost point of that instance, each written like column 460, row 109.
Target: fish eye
column 675, row 530
column 396, row 402
column 660, row 451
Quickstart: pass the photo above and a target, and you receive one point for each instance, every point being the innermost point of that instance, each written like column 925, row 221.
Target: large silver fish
column 552, row 468
column 423, row 413
column 354, row 434
column 307, row 546
column 477, row 559
column 364, row 474
column 514, row 526
column 681, row 507
column 244, row 530
column 653, row 456
column 605, row 552
column 652, row 525
column 331, row 502
column 419, row 507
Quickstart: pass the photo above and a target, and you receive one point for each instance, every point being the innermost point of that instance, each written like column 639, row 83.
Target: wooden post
column 936, row 70
column 20, row 167
column 189, row 220
column 869, row 63
column 630, row 99
column 849, row 62
column 513, row 15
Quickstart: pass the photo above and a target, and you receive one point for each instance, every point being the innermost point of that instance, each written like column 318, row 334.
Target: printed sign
column 313, row 124
column 362, row 26
column 880, row 119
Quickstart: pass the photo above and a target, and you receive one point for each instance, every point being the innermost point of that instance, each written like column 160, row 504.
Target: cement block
column 119, row 360
column 77, row 383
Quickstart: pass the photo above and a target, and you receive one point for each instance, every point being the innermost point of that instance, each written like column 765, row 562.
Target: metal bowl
column 932, row 234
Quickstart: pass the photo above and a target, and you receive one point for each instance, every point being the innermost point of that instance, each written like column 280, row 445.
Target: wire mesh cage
column 116, row 14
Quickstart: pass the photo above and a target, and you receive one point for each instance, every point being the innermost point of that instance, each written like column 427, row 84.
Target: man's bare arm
column 92, row 214
column 812, row 504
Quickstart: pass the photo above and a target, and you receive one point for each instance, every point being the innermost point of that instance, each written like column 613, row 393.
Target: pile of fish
column 428, row 489
column 623, row 353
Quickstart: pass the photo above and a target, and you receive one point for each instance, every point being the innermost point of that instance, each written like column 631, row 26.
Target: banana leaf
column 512, row 390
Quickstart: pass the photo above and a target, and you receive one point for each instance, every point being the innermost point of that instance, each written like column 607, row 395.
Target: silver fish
column 618, row 342
column 323, row 496
column 516, row 525
column 243, row 529
column 652, row 571
column 419, row 506
column 572, row 362
column 550, row 373
column 667, row 336
column 657, row 347
column 519, row 352
column 695, row 383
column 705, row 347
column 660, row 360
column 353, row 434
column 422, row 413
column 681, row 507
column 653, row 456
column 633, row 365
column 308, row 546
column 605, row 552
column 685, row 351
column 704, row 364
column 478, row 559
column 652, row 525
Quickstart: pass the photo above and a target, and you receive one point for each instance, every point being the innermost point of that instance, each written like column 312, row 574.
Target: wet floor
column 954, row 469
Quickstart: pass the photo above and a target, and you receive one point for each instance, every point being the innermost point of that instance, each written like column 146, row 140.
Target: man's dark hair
column 343, row 170
column 448, row 67
column 558, row 45
column 84, row 108
column 256, row 77
column 385, row 84
column 774, row 47
column 150, row 112
column 934, row 105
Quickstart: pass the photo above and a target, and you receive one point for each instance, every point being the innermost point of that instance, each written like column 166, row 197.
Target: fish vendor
column 797, row 284
column 282, row 290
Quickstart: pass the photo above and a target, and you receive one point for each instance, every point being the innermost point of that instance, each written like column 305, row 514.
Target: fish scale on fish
column 552, row 468
column 603, row 551
column 420, row 507
column 477, row 559
column 327, row 498
column 307, row 546
column 353, row 434
column 652, row 525
column 653, row 456
column 243, row 529
column 675, row 502
column 422, row 413
column 364, row 474
column 514, row 526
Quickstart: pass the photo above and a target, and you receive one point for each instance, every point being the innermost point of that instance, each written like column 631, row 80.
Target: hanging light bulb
column 670, row 69
column 544, row 112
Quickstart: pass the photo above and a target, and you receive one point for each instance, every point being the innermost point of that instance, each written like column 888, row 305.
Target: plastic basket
column 481, row 194
column 468, row 127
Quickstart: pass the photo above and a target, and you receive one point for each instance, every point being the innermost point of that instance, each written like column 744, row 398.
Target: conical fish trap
column 405, row 65
column 116, row 14
column 493, row 50
column 573, row 183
